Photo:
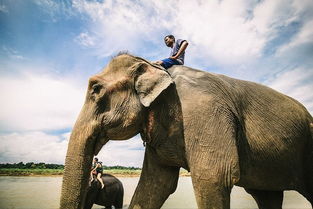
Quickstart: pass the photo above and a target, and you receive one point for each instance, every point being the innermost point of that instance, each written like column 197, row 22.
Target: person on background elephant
column 97, row 170
column 111, row 195
column 224, row 131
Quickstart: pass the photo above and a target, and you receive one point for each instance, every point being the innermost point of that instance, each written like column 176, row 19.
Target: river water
column 44, row 193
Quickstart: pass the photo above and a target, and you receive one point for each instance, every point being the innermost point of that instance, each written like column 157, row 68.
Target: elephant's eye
column 96, row 89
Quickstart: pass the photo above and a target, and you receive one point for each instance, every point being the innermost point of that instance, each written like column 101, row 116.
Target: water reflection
column 44, row 193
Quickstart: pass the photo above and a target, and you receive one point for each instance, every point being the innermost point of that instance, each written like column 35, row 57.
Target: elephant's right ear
column 150, row 82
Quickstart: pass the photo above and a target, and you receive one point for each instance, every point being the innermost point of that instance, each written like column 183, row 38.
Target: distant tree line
column 118, row 167
column 32, row 165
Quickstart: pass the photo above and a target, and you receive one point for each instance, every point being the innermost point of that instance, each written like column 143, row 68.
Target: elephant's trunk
column 78, row 163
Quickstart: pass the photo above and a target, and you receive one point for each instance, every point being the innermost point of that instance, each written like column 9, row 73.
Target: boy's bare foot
column 157, row 62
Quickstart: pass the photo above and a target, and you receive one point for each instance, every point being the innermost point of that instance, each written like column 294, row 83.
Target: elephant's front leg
column 210, row 193
column 156, row 183
column 213, row 175
column 215, row 165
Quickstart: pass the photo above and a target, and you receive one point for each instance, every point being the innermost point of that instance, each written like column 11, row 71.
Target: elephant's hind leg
column 119, row 201
column 307, row 190
column 267, row 199
column 308, row 171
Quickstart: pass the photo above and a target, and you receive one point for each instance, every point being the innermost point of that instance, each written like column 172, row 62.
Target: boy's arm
column 181, row 50
column 95, row 167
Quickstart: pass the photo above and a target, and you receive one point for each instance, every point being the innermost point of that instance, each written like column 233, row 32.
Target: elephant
column 111, row 195
column 224, row 131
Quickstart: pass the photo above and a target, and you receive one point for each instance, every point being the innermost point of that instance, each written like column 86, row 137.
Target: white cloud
column 270, row 15
column 4, row 9
column 126, row 153
column 12, row 53
column 305, row 36
column 297, row 83
column 41, row 147
column 215, row 29
column 38, row 102
column 223, row 32
column 219, row 31
column 49, row 4
column 33, row 147
column 119, row 25
column 304, row 7
column 85, row 39
column 55, row 8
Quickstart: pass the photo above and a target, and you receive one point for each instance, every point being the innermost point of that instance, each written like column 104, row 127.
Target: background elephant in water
column 224, row 131
column 111, row 195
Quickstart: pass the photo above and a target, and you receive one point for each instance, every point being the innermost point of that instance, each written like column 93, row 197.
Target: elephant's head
column 114, row 109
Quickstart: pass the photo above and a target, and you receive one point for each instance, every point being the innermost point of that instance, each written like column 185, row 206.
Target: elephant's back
column 243, row 95
column 109, row 179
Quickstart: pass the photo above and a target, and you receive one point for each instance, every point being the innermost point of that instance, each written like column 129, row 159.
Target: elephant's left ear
column 150, row 82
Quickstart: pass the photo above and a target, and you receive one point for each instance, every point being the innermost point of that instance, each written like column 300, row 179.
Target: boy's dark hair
column 170, row 36
column 96, row 159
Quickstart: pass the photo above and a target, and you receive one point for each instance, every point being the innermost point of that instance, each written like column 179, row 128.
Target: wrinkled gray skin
column 111, row 195
column 224, row 131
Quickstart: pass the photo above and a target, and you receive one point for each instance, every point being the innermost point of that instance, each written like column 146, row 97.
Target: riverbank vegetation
column 44, row 169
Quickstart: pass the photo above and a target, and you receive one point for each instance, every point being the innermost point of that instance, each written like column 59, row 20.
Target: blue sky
column 49, row 49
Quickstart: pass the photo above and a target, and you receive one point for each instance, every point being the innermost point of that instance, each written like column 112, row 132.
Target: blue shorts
column 168, row 62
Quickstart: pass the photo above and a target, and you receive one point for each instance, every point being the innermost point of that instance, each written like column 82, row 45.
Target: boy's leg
column 168, row 62
column 100, row 179
column 91, row 176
